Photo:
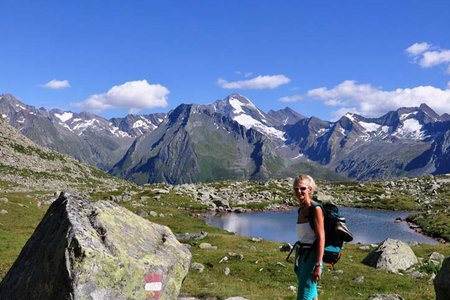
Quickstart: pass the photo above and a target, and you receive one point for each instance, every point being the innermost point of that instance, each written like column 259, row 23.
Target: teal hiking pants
column 304, row 266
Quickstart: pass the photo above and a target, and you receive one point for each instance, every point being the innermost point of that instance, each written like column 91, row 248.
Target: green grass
column 17, row 226
column 435, row 224
column 257, row 276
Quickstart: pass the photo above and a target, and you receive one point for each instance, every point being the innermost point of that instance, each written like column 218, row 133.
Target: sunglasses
column 301, row 188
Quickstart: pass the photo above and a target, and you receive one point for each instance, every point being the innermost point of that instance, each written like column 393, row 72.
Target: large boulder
column 97, row 250
column 442, row 281
column 392, row 256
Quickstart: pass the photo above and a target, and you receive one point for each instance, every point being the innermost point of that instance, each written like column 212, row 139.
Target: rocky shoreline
column 425, row 195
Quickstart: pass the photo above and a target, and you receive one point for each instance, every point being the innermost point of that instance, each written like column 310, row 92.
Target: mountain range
column 233, row 139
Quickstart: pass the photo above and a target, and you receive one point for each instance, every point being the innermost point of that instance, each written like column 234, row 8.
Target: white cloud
column 293, row 98
column 56, row 84
column 433, row 58
column 418, row 48
column 426, row 55
column 259, row 82
column 133, row 95
column 369, row 101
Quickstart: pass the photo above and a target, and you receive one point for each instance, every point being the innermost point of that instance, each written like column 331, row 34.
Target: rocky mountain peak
column 10, row 104
column 429, row 111
column 285, row 116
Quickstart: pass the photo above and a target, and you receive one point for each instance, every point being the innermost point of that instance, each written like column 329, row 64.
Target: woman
column 311, row 242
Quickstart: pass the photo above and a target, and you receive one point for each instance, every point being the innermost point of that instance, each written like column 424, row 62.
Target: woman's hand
column 315, row 275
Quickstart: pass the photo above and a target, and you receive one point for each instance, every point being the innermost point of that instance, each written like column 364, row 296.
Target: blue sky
column 320, row 58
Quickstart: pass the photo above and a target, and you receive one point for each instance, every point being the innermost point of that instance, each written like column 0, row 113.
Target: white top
column 305, row 234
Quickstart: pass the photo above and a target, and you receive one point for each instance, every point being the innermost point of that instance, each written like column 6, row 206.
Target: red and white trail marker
column 153, row 286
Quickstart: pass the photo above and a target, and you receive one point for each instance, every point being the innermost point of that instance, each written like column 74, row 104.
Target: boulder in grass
column 97, row 250
column 442, row 281
column 392, row 256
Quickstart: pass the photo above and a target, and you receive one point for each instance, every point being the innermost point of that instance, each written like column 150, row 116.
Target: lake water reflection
column 367, row 225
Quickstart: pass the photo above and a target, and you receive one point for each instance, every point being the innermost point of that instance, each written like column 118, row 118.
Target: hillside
column 27, row 166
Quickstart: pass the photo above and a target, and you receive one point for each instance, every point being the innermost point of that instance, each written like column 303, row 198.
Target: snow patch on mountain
column 65, row 116
column 237, row 105
column 21, row 107
column 84, row 125
column 117, row 132
column 143, row 124
column 369, row 127
column 248, row 122
column 411, row 129
column 350, row 117
column 240, row 116
column 406, row 116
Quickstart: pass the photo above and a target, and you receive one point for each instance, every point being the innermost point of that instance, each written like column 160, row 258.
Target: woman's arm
column 320, row 241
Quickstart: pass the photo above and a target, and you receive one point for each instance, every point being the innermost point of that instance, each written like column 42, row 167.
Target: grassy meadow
column 263, row 273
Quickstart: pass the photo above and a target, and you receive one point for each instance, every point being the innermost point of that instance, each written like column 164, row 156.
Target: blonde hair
column 311, row 181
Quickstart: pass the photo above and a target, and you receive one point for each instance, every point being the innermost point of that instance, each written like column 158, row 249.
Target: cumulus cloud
column 418, row 48
column 293, row 98
column 133, row 95
column 56, row 84
column 427, row 56
column 370, row 101
column 257, row 83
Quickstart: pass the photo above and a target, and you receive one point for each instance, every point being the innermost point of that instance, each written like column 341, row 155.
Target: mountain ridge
column 232, row 139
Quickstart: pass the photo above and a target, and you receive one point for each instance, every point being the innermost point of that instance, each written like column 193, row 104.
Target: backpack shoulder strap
column 312, row 210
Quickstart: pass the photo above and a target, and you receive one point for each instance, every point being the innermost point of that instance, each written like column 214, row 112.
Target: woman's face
column 302, row 190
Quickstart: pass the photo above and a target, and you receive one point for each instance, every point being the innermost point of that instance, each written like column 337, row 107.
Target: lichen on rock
column 96, row 250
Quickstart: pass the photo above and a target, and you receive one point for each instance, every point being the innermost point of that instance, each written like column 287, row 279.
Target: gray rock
column 436, row 258
column 96, row 250
column 4, row 200
column 392, row 256
column 223, row 259
column 359, row 279
column 207, row 246
column 256, row 240
column 442, row 281
column 142, row 213
column 191, row 236
column 239, row 256
column 227, row 271
column 161, row 191
column 3, row 212
column 416, row 275
column 197, row 267
column 385, row 297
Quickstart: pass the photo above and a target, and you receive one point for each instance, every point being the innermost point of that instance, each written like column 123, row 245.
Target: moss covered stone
column 97, row 250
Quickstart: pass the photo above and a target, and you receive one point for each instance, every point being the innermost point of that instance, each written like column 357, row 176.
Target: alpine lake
column 369, row 226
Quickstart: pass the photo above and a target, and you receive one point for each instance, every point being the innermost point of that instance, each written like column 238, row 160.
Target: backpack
column 336, row 232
